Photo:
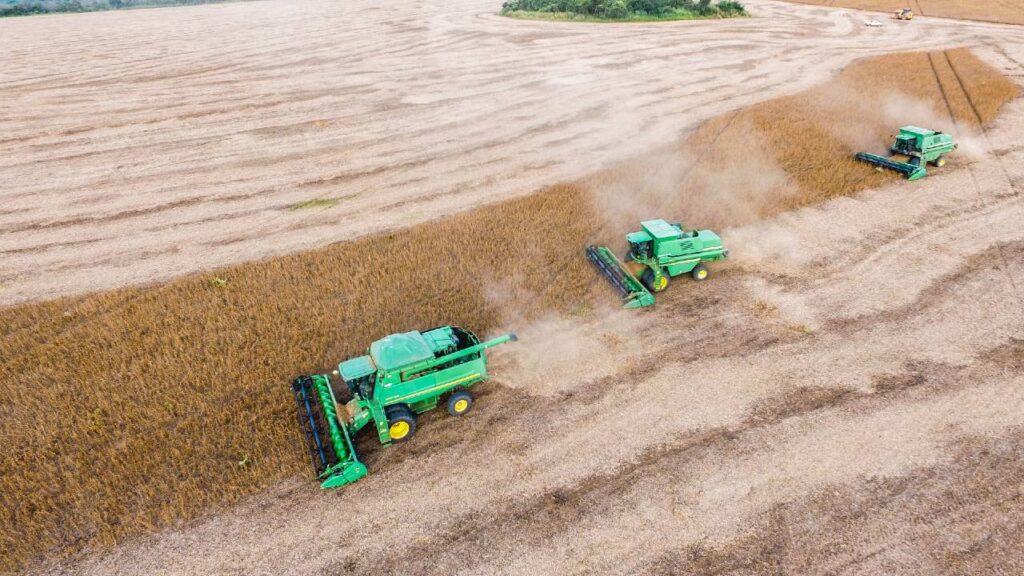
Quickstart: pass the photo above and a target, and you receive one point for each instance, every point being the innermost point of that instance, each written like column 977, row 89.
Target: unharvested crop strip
column 942, row 89
column 967, row 94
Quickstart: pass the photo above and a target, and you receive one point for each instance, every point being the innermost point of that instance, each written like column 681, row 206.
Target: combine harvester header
column 402, row 375
column 920, row 146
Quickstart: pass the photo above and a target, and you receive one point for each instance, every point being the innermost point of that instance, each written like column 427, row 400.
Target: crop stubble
column 140, row 408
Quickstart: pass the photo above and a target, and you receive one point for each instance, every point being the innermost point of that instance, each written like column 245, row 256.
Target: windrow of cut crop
column 133, row 410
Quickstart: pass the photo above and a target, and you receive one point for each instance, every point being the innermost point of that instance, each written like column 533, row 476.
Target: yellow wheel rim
column 461, row 405
column 399, row 430
column 661, row 283
column 702, row 274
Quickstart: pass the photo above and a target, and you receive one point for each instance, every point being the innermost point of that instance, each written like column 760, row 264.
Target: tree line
column 614, row 9
column 27, row 7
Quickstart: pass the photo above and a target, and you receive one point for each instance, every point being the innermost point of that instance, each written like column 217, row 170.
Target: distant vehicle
column 904, row 14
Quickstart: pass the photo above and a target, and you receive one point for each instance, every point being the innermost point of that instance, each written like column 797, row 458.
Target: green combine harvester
column 920, row 146
column 401, row 376
column 658, row 252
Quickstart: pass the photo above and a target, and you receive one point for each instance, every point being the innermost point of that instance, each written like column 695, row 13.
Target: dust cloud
column 555, row 355
column 881, row 116
column 766, row 245
column 972, row 147
column 900, row 110
column 710, row 187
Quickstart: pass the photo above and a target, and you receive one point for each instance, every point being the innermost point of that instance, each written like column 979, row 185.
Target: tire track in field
column 1000, row 250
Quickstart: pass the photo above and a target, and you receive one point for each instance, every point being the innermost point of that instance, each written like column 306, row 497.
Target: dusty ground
column 845, row 396
column 180, row 139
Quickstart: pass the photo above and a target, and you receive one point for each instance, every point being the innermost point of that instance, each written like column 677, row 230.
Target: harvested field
column 1006, row 11
column 189, row 138
column 172, row 399
column 820, row 417
column 807, row 396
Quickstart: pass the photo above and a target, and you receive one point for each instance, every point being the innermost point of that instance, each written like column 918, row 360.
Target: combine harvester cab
column 402, row 375
column 657, row 252
column 920, row 146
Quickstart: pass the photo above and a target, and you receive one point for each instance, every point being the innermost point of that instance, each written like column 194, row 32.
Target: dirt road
column 140, row 145
column 845, row 397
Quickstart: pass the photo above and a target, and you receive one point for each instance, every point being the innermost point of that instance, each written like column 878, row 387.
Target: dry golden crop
column 1008, row 12
column 128, row 411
